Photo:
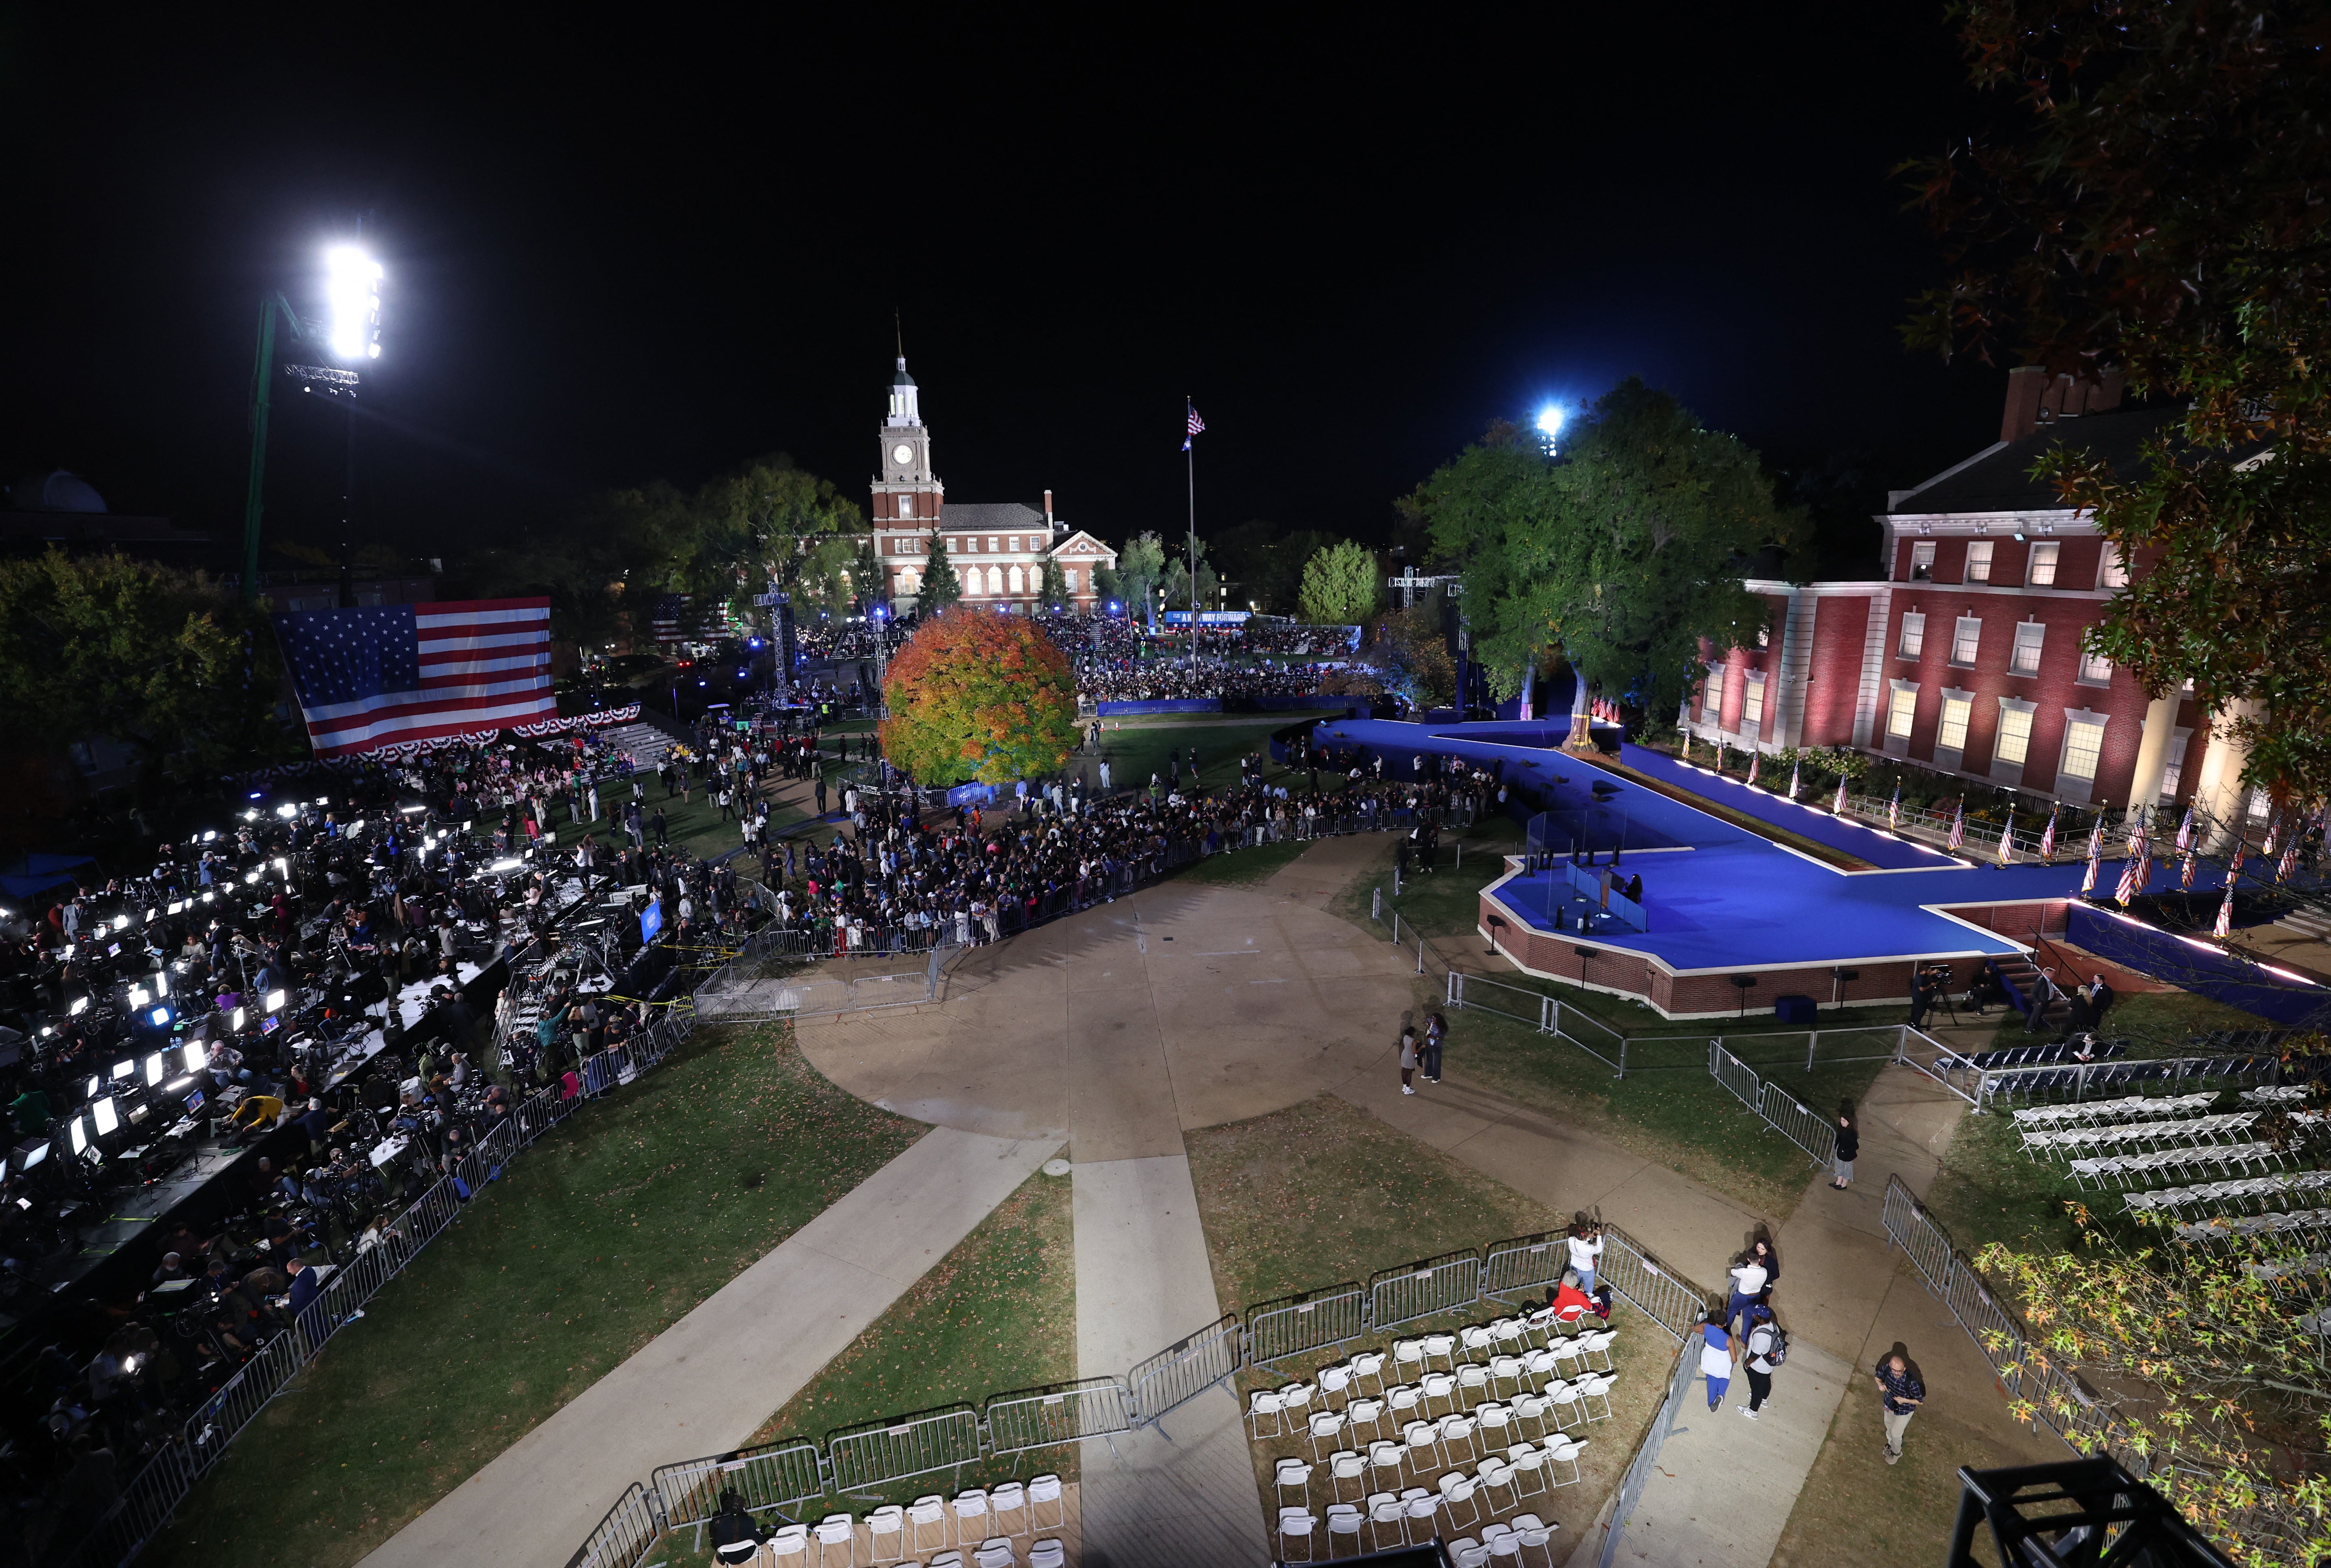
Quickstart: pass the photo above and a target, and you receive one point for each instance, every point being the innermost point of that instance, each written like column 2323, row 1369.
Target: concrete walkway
column 705, row 1384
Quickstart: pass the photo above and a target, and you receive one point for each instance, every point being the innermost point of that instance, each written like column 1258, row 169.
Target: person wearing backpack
column 1766, row 1348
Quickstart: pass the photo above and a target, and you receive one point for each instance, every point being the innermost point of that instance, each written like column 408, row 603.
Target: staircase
column 2024, row 977
column 645, row 742
column 2312, row 924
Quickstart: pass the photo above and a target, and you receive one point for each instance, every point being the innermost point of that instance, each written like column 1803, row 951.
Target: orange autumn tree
column 981, row 697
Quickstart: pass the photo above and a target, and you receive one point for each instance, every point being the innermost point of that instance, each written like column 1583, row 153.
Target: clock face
column 902, row 454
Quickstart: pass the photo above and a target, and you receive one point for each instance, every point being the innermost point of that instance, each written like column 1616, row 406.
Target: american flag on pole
column 1894, row 810
column 2225, row 914
column 2137, row 869
column 1958, row 824
column 1196, row 424
column 1839, row 807
column 2289, row 860
column 1793, row 779
column 2096, row 856
column 2048, row 838
column 2186, row 831
column 2234, row 866
column 2272, row 822
column 1753, row 758
column 396, row 676
column 2007, row 838
column 2185, row 869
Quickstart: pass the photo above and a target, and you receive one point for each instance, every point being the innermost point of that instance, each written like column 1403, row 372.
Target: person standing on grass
column 1849, row 1145
column 1717, row 1357
column 1903, row 1394
column 1408, row 1061
column 1765, row 1341
column 1585, row 1244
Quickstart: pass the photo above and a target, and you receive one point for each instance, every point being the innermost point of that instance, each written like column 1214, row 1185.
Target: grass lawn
column 595, row 1241
column 1243, row 867
column 1323, row 1192
column 997, row 1315
column 694, row 824
column 1135, row 751
column 2163, row 1023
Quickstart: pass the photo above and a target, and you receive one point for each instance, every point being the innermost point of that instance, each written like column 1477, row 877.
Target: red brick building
column 998, row 549
column 1968, row 657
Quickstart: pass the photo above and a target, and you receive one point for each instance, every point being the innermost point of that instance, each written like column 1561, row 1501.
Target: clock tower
column 905, row 492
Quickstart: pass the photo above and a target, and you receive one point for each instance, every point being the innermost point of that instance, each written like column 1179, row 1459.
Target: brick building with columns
column 1967, row 658
column 998, row 549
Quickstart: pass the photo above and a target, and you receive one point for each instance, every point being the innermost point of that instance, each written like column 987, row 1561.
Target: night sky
column 624, row 253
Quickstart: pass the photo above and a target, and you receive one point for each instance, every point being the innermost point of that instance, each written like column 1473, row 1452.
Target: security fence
column 1737, row 1076
column 1647, row 1456
column 873, row 1454
column 1809, row 1130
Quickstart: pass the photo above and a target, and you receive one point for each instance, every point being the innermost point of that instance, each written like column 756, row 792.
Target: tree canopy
column 1625, row 551
column 1338, row 586
column 2153, row 199
column 1265, row 564
column 974, row 696
column 1140, row 567
column 166, row 662
column 941, row 584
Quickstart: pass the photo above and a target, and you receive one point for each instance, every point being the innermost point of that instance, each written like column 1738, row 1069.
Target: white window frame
column 1752, row 702
column 2068, row 784
column 1013, row 544
column 905, row 506
column 1913, row 641
column 1973, row 641
column 2090, row 674
column 2002, row 766
column 2031, row 637
column 2173, row 767
column 1964, row 701
column 1922, row 561
column 1978, row 561
column 1899, row 741
column 2112, row 567
column 2041, row 567
column 1712, row 695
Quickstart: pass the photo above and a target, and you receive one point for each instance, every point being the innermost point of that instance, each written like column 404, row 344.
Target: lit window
column 1914, row 633
column 1715, row 689
column 2261, row 803
column 2112, row 572
column 954, row 546
column 2025, row 659
column 2014, row 735
column 1952, row 734
column 1752, row 702
column 905, row 506
column 2174, row 769
column 2082, row 742
column 1898, row 716
column 2042, row 573
column 991, row 544
column 1922, row 561
column 1016, row 581
column 1964, row 639
column 1978, row 568
column 2095, row 669
column 1014, row 542
column 1069, row 579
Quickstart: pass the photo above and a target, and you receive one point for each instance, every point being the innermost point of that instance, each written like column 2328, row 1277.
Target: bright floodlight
column 1549, row 421
column 353, row 285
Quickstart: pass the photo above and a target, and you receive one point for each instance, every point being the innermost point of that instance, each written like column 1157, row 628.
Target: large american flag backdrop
column 396, row 678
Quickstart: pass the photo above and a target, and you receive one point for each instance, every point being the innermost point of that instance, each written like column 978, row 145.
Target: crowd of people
column 1103, row 679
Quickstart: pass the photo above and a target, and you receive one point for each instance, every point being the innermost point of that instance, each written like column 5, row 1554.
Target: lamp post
column 352, row 335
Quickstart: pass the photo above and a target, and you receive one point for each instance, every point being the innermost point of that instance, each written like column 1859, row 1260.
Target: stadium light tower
column 352, row 335
column 1549, row 422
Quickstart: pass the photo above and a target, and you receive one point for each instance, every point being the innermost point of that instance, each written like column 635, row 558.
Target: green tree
column 1140, row 567
column 866, row 585
column 1411, row 655
column 1339, row 585
column 1108, row 586
column 1625, row 551
column 1266, row 565
column 979, row 697
column 1175, row 581
column 2150, row 203
column 940, row 585
column 1053, row 589
column 166, row 662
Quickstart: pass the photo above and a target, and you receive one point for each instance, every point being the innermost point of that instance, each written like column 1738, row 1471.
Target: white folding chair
column 1467, row 1553
column 1535, row 1535
column 1568, row 1350
column 1565, row 1451
column 1532, row 1407
column 1459, row 1490
column 1387, row 1523
column 1385, row 1460
column 1512, row 1334
column 1440, row 1385
column 1496, row 1421
column 1492, row 1473
column 1504, row 1544
column 1443, row 1347
column 1261, row 1402
column 1335, row 1381
column 1508, row 1369
column 1327, row 1429
column 1424, row 1440
column 1368, row 1366
column 1047, row 1489
column 1048, row 1553
column 995, row 1553
column 837, row 1530
column 1540, row 1366
column 1598, row 1343
column 1344, row 1466
column 789, row 1545
column 1528, row 1461
column 1477, row 1342
column 1343, row 1519
column 1405, row 1400
column 1453, row 1428
column 971, row 1515
column 889, row 1520
column 1407, row 1358
column 1011, row 1497
column 1297, row 1398
column 1472, row 1383
column 1296, row 1475
column 1596, row 1386
column 1368, row 1412
column 1294, row 1524
column 922, row 1511
column 947, row 1559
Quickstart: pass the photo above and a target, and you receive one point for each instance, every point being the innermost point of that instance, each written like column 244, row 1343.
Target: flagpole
column 1190, row 453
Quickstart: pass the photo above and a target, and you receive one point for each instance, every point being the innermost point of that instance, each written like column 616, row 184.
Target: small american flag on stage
column 393, row 677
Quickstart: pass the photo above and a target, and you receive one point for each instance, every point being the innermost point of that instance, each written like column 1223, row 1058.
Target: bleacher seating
column 1462, row 1475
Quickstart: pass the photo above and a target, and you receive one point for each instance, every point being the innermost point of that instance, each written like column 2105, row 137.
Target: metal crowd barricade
column 1906, row 1222
column 1659, row 1292
column 1788, row 1115
column 625, row 1537
column 774, row 1477
column 1647, row 1454
column 1314, row 1320
column 917, row 1445
column 1422, row 1288
column 1525, row 1263
column 1186, row 1369
column 1734, row 1074
column 1091, row 1407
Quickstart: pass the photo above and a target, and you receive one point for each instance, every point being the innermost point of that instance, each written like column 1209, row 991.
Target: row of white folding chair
column 2123, row 1169
column 1529, row 1461
column 1499, row 1542
column 2275, row 1094
column 2125, row 1105
column 2247, row 1189
column 2191, row 1129
column 2266, row 1224
column 970, row 1514
column 1410, row 1519
column 788, row 1547
column 1470, row 1385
